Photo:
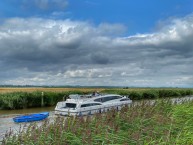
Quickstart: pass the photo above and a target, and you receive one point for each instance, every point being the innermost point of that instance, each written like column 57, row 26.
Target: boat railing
column 77, row 96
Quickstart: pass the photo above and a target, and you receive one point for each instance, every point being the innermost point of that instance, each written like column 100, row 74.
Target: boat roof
column 75, row 98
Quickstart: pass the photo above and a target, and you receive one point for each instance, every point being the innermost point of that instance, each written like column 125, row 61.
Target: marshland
column 144, row 122
column 20, row 98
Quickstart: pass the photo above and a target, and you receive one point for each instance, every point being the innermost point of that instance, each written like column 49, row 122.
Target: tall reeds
column 19, row 100
column 159, row 123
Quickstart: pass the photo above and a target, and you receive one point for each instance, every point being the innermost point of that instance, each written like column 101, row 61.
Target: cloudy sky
column 97, row 42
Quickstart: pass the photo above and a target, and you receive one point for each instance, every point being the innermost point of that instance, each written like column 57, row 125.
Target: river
column 6, row 121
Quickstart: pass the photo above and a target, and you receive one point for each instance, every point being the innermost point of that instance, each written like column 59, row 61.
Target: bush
column 189, row 92
column 169, row 93
column 151, row 94
column 51, row 98
column 135, row 95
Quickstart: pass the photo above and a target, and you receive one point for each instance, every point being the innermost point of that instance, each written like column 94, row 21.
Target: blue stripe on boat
column 31, row 117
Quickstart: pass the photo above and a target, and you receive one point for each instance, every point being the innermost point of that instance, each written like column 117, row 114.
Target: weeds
column 144, row 123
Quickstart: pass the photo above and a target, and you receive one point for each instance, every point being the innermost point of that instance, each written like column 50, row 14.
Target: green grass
column 161, row 123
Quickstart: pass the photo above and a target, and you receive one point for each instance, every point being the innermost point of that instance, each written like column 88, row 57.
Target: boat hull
column 91, row 110
column 31, row 117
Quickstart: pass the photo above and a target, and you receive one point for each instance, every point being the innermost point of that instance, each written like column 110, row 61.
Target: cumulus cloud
column 63, row 52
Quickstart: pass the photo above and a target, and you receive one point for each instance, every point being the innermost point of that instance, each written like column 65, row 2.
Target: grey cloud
column 65, row 52
column 100, row 58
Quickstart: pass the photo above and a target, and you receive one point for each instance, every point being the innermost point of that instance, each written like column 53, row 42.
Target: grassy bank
column 29, row 98
column 161, row 123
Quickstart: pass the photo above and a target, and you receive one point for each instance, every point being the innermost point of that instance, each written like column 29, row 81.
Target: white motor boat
column 78, row 105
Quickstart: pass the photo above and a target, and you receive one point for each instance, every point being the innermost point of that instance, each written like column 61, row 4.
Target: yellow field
column 20, row 89
column 8, row 90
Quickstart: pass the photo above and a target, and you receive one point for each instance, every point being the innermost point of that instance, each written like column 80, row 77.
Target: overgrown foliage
column 151, row 93
column 19, row 100
column 145, row 123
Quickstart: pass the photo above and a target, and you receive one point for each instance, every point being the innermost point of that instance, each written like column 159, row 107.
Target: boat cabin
column 84, row 105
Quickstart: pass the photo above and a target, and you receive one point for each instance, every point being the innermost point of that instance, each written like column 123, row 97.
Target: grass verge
column 158, row 123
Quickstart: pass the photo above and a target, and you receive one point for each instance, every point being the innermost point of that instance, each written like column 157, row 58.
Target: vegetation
column 30, row 97
column 151, row 93
column 158, row 123
column 20, row 100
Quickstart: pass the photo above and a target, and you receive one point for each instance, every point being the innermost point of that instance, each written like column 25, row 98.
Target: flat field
column 21, row 89
column 33, row 89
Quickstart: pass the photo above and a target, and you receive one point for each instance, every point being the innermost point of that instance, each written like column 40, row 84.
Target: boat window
column 99, row 100
column 125, row 99
column 106, row 99
column 70, row 105
column 115, row 97
column 85, row 105
column 91, row 104
column 94, row 104
column 109, row 98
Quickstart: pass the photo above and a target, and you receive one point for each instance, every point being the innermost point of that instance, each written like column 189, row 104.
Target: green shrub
column 169, row 93
column 189, row 92
column 151, row 94
column 34, row 99
column 51, row 98
column 135, row 95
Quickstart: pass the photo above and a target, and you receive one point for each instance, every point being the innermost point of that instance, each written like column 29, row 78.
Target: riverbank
column 142, row 123
column 6, row 118
column 39, row 97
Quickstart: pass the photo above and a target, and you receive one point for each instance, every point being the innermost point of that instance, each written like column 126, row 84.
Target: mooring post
column 42, row 100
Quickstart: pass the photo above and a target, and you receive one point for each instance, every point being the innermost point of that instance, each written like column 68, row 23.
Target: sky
column 141, row 43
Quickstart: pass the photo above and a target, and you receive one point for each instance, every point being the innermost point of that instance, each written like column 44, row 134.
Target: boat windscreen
column 70, row 105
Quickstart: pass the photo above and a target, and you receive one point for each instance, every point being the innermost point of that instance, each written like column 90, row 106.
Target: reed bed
column 27, row 99
column 159, row 123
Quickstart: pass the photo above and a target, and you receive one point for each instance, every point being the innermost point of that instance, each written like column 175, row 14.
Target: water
column 6, row 121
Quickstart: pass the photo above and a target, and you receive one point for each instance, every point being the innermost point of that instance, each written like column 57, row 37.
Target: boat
column 78, row 105
column 31, row 117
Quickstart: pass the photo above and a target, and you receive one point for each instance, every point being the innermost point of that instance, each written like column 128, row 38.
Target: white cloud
column 65, row 52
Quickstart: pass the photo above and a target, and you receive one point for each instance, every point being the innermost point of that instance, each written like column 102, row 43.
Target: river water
column 6, row 121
